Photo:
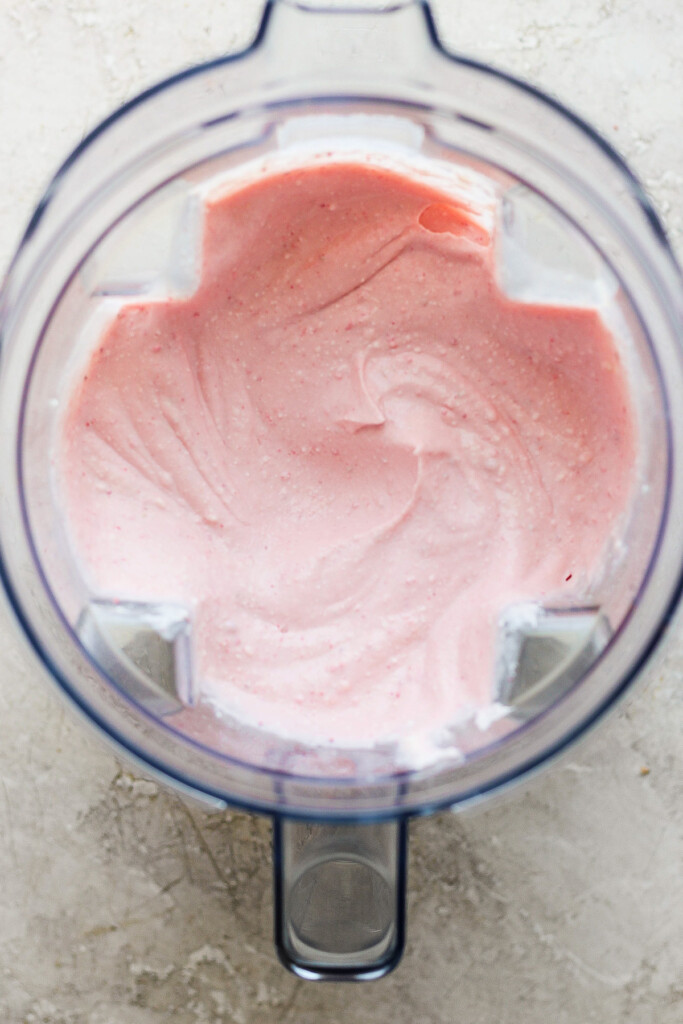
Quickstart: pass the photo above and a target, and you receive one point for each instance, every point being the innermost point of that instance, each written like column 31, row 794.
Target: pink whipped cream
column 346, row 453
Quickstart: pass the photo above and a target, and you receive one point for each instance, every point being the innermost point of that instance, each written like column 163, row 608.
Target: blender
column 121, row 220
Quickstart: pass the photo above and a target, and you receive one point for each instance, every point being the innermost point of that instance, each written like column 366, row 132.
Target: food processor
column 122, row 220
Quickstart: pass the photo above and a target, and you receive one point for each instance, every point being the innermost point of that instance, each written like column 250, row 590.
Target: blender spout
column 368, row 41
column 340, row 898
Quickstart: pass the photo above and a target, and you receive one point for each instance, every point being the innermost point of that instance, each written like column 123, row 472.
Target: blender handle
column 339, row 898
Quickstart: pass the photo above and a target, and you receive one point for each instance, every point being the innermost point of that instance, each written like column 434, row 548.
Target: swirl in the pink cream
column 347, row 452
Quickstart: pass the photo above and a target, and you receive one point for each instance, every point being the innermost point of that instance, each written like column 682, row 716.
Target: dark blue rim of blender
column 401, row 777
column 273, row 772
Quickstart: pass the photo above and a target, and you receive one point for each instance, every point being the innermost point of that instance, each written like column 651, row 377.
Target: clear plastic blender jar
column 122, row 218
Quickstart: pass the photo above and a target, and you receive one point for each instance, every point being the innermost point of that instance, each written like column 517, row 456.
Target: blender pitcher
column 122, row 219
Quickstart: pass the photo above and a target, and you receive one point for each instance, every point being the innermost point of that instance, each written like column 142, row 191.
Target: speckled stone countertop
column 118, row 903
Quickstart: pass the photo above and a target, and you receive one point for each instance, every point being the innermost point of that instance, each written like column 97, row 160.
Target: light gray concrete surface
column 118, row 905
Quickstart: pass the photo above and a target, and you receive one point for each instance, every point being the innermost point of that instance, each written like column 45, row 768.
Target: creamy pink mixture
column 347, row 452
